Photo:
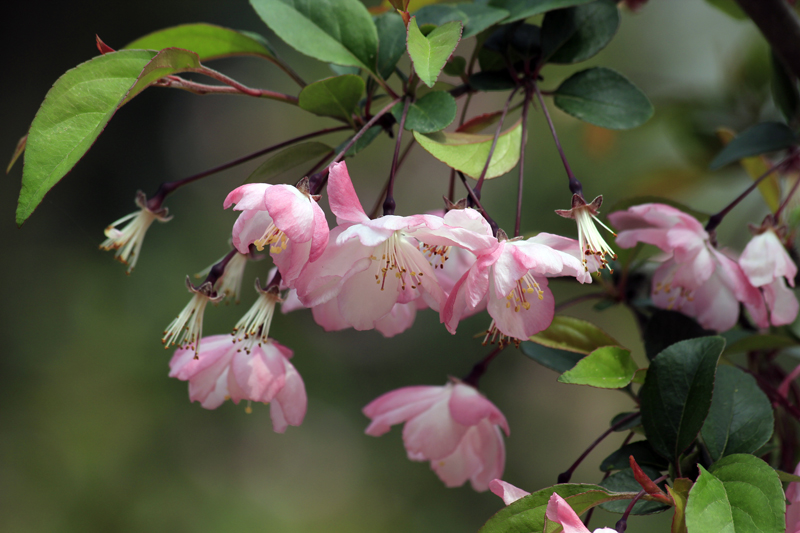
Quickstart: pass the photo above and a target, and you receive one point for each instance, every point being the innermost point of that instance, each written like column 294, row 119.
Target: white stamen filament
column 590, row 240
column 128, row 240
column 187, row 328
column 394, row 260
column 230, row 283
column 253, row 327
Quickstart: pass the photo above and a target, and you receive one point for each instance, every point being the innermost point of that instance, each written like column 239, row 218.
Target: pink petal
column 560, row 512
column 399, row 319
column 765, row 259
column 292, row 260
column 248, row 196
column 480, row 457
column 292, row 211
column 468, row 407
column 248, row 228
column 433, row 433
column 319, row 240
column 288, row 408
column 327, row 315
column 781, row 301
column 508, row 492
column 342, row 196
column 400, row 406
column 523, row 323
column 260, row 374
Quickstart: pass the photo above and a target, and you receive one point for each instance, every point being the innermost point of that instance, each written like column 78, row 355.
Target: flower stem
column 564, row 477
column 524, row 141
column 497, row 131
column 622, row 524
column 371, row 122
column 379, row 202
column 574, row 185
column 218, row 269
column 389, row 203
column 233, row 87
column 477, row 202
column 480, row 368
column 777, row 214
column 167, row 188
column 451, row 191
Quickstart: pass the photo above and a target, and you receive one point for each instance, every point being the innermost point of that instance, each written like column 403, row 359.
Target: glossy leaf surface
column 609, row 367
column 757, row 139
column 521, row 9
column 206, row 40
column 287, row 159
column 333, row 97
column 575, row 34
column 574, row 334
column 433, row 112
column 430, row 53
column 391, row 42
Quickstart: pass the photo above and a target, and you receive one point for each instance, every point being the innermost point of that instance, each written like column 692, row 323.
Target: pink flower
column 793, row 507
column 508, row 492
column 369, row 265
column 263, row 373
column 767, row 265
column 454, row 427
column 284, row 217
column 560, row 512
column 696, row 278
column 591, row 243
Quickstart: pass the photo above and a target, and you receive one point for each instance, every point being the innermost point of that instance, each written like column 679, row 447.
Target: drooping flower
column 590, row 241
column 767, row 265
column 283, row 217
column 508, row 492
column 263, row 373
column 562, row 513
column 229, row 284
column 454, row 427
column 253, row 327
column 128, row 240
column 793, row 505
column 187, row 328
column 369, row 265
column 695, row 278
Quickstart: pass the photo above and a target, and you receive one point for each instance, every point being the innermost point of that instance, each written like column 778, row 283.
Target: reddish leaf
column 647, row 484
column 103, row 47
column 477, row 124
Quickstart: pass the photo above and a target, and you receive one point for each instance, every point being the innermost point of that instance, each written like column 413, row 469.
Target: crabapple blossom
column 590, row 242
column 229, row 284
column 695, row 278
column 128, row 240
column 562, row 513
column 767, row 265
column 793, row 505
column 369, row 265
column 222, row 369
column 508, row 492
column 254, row 325
column 187, row 328
column 454, row 427
column 283, row 217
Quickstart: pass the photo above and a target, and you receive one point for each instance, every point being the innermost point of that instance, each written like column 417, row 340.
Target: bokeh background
column 94, row 437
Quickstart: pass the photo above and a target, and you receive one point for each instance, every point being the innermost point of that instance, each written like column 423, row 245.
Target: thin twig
column 389, row 203
column 523, row 143
column 574, row 185
column 363, row 130
column 497, row 131
column 477, row 202
column 379, row 202
column 480, row 368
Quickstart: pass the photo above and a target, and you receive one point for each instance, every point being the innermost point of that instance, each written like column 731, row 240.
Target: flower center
column 590, row 241
column 519, row 295
column 274, row 237
column 437, row 255
column 493, row 334
column 253, row 327
column 395, row 262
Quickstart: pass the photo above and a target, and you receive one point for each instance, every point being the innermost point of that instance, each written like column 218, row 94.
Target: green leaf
column 433, row 112
column 784, row 89
column 575, row 34
column 391, row 42
column 558, row 360
column 363, row 141
column 605, row 98
column 206, row 40
column 455, row 67
column 78, row 107
column 786, row 477
column 730, row 8
column 575, row 335
column 521, row 9
column 753, row 491
column 333, row 31
column 429, row 54
column 641, row 450
column 609, row 367
column 634, row 422
column 623, row 481
column 527, row 514
column 676, row 394
column 333, row 97
column 753, row 343
column 287, row 159
column 755, row 140
column 467, row 152
column 740, row 419
column 708, row 508
column 474, row 17
column 665, row 328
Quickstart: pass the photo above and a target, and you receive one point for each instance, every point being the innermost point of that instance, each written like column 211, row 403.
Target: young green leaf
column 334, row 31
column 391, row 42
column 433, row 112
column 287, row 159
column 558, row 360
column 755, row 140
column 468, row 152
column 206, row 40
column 708, row 508
column 605, row 98
column 429, row 54
column 740, row 419
column 333, row 97
column 575, row 335
column 522, row 9
column 676, row 394
column 624, row 481
column 641, row 450
column 577, row 33
column 474, row 17
column 74, row 112
column 609, row 367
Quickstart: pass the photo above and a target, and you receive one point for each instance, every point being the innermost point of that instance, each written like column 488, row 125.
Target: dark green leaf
column 605, row 98
column 784, row 90
column 665, row 328
column 623, row 481
column 752, row 343
column 635, row 421
column 526, row 42
column 334, row 31
column 288, row 159
column 676, row 395
column 558, row 360
column 641, row 450
column 609, row 367
column 455, row 67
column 786, row 477
column 740, row 419
column 521, row 9
column 339, row 70
column 755, row 140
column 474, row 17
column 492, row 81
column 753, row 491
column 364, row 141
column 391, row 42
column 333, row 97
column 577, row 33
column 206, row 40
column 429, row 54
column 573, row 334
column 433, row 112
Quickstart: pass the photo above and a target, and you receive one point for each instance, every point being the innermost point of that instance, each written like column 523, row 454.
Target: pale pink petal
column 450, row 271
column 433, row 433
column 248, row 196
column 517, row 322
column 764, row 259
column 328, row 316
column 508, row 492
column 363, row 301
column 319, row 240
column 560, row 512
column 468, row 407
column 292, row 211
column 460, row 465
column 366, row 234
column 289, row 405
column 292, row 260
column 399, row 319
column 463, row 228
column 400, row 406
column 781, row 301
column 217, row 395
column 342, row 196
column 259, row 374
column 291, row 302
column 248, row 228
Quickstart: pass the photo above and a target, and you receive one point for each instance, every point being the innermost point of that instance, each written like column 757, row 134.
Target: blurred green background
column 94, row 436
